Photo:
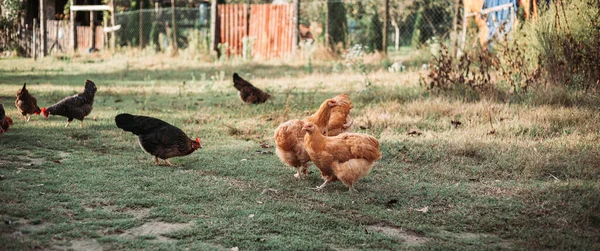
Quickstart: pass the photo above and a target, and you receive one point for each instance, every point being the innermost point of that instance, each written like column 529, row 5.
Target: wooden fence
column 268, row 26
column 84, row 38
column 233, row 26
column 59, row 33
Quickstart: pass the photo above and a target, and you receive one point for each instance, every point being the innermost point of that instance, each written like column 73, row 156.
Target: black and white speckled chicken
column 77, row 106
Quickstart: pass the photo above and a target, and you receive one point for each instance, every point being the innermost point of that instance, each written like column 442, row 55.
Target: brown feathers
column 26, row 103
column 289, row 138
column 340, row 120
column 5, row 121
column 347, row 157
column 248, row 93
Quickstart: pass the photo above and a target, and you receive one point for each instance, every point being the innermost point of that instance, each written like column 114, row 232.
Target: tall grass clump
column 566, row 38
column 552, row 60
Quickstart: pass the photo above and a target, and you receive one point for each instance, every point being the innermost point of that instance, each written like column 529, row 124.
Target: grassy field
column 532, row 184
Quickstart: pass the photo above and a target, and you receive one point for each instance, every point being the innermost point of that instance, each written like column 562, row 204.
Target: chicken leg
column 319, row 188
column 301, row 172
column 68, row 122
column 352, row 189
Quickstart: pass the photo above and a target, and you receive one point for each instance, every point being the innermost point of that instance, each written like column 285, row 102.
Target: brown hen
column 340, row 120
column 347, row 157
column 5, row 121
column 289, row 138
column 26, row 103
column 248, row 93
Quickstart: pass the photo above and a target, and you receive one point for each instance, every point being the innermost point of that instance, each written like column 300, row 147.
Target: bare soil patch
column 411, row 238
column 157, row 229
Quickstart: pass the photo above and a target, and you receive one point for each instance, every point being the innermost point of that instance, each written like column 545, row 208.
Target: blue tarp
column 496, row 19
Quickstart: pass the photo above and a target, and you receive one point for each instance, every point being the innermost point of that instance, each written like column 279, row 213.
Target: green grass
column 533, row 184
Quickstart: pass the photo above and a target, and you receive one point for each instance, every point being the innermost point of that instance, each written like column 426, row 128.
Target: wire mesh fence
column 343, row 24
column 338, row 25
column 154, row 28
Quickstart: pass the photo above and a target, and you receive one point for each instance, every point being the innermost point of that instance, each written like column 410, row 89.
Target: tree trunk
column 386, row 20
column 93, row 30
column 295, row 33
column 43, row 36
column 113, row 38
column 454, row 36
column 175, row 48
column 335, row 26
column 214, row 29
column 73, row 28
column 141, row 23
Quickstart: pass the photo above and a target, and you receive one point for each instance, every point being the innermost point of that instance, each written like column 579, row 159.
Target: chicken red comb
column 198, row 140
column 45, row 111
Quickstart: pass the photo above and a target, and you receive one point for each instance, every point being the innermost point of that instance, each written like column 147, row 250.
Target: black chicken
column 158, row 137
column 248, row 93
column 74, row 107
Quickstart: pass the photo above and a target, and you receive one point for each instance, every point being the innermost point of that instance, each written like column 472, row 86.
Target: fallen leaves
column 414, row 132
column 455, row 123
column 267, row 190
column 390, row 203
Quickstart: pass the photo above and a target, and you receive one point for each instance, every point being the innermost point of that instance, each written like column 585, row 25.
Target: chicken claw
column 351, row 189
column 319, row 188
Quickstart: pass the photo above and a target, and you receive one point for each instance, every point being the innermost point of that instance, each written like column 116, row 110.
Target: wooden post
column 295, row 25
column 214, row 41
column 464, row 32
column 386, row 20
column 73, row 27
column 141, row 23
column 454, row 36
column 93, row 30
column 113, row 39
column 43, row 34
column 174, row 53
column 397, row 37
column 33, row 45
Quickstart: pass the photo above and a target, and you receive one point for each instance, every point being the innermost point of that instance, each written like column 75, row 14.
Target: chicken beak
column 199, row 142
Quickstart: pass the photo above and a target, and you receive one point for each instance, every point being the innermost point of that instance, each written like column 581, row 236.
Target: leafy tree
column 336, row 24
